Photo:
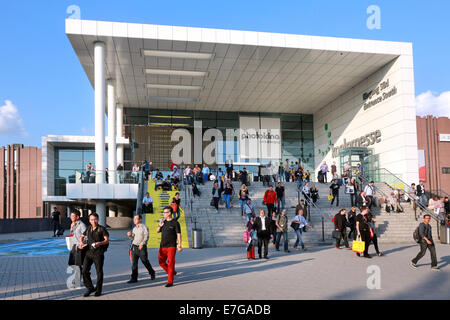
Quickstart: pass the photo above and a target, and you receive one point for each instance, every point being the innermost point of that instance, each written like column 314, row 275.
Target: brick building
column 433, row 143
column 20, row 182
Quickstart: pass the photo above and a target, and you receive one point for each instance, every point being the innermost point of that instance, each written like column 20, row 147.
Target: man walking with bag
column 362, row 228
column 340, row 225
column 97, row 243
column 426, row 242
column 282, row 230
column 139, row 251
column 76, row 257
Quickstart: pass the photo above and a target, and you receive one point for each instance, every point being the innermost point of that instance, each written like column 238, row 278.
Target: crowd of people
column 269, row 226
column 89, row 244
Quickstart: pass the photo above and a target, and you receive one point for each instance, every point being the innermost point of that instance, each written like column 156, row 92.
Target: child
column 252, row 240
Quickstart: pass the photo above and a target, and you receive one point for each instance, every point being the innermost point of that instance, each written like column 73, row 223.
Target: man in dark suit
column 263, row 230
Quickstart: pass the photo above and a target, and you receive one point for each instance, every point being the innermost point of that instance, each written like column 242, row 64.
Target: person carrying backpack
column 97, row 243
column 340, row 225
column 423, row 236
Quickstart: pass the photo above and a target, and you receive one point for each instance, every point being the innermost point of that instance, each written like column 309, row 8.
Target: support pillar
column 112, row 152
column 100, row 208
column 119, row 132
column 99, row 58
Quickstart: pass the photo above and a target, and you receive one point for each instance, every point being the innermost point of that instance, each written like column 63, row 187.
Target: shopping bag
column 358, row 245
column 130, row 252
column 330, row 197
column 70, row 242
column 246, row 236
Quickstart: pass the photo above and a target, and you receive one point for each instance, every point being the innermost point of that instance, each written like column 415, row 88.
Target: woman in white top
column 306, row 190
column 431, row 202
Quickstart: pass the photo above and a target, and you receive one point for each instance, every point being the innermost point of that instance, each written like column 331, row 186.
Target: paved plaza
column 322, row 272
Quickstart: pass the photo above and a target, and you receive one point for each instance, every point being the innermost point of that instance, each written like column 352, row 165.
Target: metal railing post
column 323, row 230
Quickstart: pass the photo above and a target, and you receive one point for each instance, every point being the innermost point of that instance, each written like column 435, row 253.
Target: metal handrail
column 438, row 193
column 417, row 203
column 309, row 202
column 140, row 194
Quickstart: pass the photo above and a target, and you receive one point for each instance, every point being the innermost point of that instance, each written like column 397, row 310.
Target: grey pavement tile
column 203, row 271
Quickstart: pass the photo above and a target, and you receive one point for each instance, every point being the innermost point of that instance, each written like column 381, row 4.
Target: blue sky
column 43, row 89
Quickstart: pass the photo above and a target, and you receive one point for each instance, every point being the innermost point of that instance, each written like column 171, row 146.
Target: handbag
column 388, row 208
column 246, row 236
column 212, row 202
column 358, row 245
column 295, row 226
column 330, row 197
column 130, row 252
column 72, row 256
column 336, row 234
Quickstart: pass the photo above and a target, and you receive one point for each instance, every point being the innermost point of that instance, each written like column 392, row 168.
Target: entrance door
column 362, row 156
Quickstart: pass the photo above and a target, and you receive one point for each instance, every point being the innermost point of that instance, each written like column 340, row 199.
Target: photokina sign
column 252, row 144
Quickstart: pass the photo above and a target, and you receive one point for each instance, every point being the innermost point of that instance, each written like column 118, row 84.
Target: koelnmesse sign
column 364, row 141
column 379, row 94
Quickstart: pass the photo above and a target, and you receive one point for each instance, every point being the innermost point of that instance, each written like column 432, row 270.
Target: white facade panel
column 394, row 115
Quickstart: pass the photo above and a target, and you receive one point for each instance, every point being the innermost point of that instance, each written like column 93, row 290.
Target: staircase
column 398, row 227
column 227, row 227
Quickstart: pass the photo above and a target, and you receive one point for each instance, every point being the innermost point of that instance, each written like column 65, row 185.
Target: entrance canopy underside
column 156, row 66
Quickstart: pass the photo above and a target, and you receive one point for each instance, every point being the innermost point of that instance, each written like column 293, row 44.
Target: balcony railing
column 119, row 176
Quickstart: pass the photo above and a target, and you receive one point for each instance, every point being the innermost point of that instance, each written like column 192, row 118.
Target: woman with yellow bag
column 363, row 230
column 334, row 192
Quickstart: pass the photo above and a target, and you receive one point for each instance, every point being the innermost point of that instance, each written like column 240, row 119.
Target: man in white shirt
column 147, row 204
column 139, row 236
column 369, row 191
column 275, row 169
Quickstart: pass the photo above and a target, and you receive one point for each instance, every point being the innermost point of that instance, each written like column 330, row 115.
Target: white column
column 99, row 59
column 119, row 131
column 112, row 153
column 100, row 209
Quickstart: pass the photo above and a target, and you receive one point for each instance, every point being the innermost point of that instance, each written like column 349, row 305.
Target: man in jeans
column 280, row 197
column 369, row 191
column 249, row 209
column 301, row 221
column 139, row 251
column 426, row 242
column 282, row 230
column 420, row 191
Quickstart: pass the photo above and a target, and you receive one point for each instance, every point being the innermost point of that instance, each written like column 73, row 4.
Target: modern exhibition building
column 195, row 95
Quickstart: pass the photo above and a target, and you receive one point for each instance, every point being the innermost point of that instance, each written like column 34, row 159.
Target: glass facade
column 150, row 130
column 67, row 161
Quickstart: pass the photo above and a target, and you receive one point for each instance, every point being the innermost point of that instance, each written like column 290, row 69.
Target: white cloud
column 430, row 103
column 11, row 123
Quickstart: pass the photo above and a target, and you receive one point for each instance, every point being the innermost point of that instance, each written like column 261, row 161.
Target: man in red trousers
column 170, row 235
